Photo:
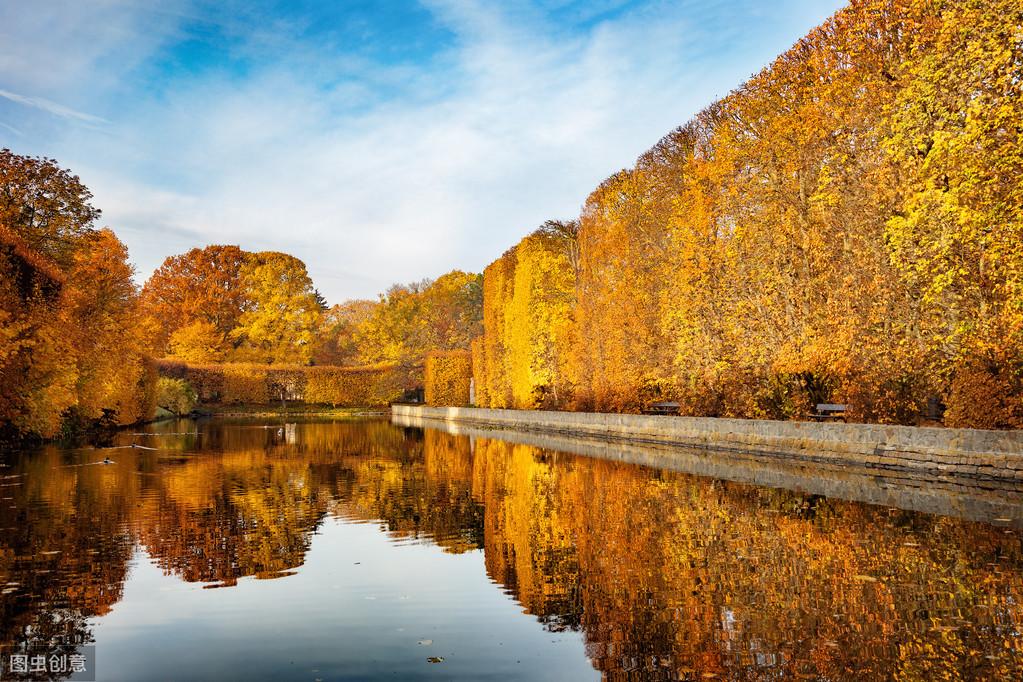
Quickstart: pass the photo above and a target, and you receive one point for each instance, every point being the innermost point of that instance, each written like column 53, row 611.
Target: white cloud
column 51, row 107
column 392, row 173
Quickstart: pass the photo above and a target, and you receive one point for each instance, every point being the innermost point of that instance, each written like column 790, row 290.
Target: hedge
column 236, row 383
column 447, row 376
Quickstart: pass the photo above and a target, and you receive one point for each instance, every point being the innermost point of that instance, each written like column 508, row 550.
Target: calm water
column 361, row 550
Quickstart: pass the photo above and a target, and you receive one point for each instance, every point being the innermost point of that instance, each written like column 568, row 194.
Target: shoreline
column 219, row 411
column 971, row 454
column 994, row 502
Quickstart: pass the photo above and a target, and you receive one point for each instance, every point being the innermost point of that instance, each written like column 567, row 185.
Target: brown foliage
column 986, row 395
column 199, row 286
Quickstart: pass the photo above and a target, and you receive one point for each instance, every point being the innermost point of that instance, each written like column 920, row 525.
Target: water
column 365, row 550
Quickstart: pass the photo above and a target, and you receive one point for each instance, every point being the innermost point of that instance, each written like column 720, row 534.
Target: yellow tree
column 102, row 315
column 281, row 314
column 411, row 320
column 623, row 352
column 539, row 330
column 337, row 341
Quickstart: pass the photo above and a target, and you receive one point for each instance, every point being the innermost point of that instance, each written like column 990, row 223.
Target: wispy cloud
column 11, row 128
column 378, row 170
column 51, row 107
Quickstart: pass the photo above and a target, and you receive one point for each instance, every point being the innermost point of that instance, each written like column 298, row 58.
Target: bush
column 479, row 372
column 238, row 383
column 175, row 395
column 447, row 376
column 985, row 395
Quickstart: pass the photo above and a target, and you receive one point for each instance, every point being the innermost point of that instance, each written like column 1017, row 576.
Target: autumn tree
column 339, row 335
column 71, row 350
column 36, row 366
column 525, row 360
column 103, row 319
column 47, row 206
column 281, row 313
column 200, row 341
column 200, row 287
column 411, row 320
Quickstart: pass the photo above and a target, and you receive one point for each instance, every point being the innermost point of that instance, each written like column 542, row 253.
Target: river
column 359, row 549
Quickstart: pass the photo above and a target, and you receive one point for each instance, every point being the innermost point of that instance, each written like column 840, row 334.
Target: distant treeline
column 844, row 227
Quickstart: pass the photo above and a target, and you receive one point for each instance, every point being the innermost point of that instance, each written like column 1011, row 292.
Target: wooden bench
column 666, row 407
column 830, row 411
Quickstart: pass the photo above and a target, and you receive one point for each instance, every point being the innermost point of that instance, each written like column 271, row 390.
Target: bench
column 830, row 411
column 666, row 407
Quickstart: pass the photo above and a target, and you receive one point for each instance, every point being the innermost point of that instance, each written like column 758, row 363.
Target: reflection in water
column 665, row 575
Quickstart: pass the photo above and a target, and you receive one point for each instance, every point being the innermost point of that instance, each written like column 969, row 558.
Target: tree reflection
column 666, row 575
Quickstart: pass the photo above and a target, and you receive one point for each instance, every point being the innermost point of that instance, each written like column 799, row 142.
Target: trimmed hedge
column 447, row 376
column 237, row 383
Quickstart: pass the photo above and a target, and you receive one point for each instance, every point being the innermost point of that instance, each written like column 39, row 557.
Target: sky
column 380, row 142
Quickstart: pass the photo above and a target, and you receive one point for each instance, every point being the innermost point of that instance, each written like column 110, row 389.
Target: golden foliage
column 175, row 395
column 70, row 348
column 846, row 226
column 200, row 288
column 523, row 360
column 258, row 384
column 481, row 380
column 199, row 341
column 282, row 314
column 446, row 378
column 358, row 386
column 412, row 320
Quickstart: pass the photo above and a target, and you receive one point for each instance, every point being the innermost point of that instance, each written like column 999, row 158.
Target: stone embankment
column 995, row 456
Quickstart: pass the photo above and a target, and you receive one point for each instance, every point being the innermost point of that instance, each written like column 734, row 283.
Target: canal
column 334, row 550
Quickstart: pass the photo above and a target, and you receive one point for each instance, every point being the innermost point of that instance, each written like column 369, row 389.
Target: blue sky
column 380, row 142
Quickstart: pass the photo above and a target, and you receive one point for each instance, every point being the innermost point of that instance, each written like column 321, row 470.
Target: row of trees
column 77, row 335
column 405, row 324
column 846, row 226
column 220, row 303
column 71, row 352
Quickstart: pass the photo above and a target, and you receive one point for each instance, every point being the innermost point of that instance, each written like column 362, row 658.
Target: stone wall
column 969, row 453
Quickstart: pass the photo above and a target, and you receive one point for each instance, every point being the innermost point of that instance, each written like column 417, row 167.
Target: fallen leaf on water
column 435, row 659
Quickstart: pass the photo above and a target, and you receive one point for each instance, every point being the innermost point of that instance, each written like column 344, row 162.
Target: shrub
column 175, row 395
column 985, row 396
column 236, row 383
column 447, row 376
